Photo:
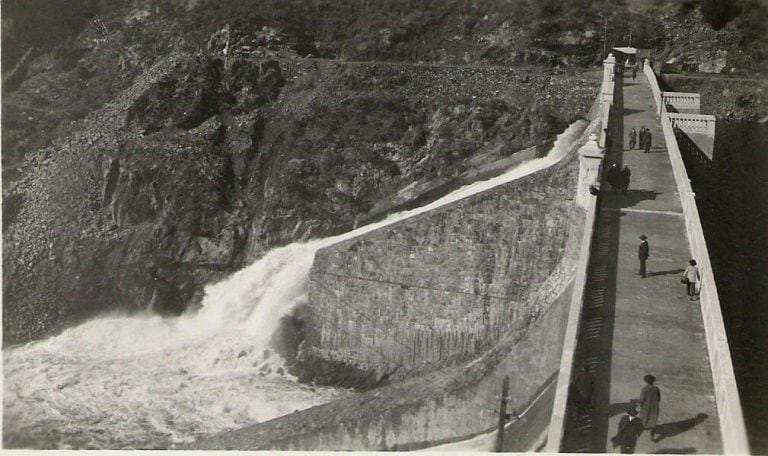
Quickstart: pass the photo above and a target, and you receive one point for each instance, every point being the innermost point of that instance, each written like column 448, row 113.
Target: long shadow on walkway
column 666, row 430
column 586, row 427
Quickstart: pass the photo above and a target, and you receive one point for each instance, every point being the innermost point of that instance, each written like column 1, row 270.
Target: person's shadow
column 661, row 273
column 686, row 450
column 621, row 407
column 663, row 431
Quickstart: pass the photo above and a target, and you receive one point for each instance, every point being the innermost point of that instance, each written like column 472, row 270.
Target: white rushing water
column 147, row 381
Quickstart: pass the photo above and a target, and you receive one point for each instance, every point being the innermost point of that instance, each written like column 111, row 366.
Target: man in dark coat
column 643, row 251
column 614, row 177
column 641, row 137
column 647, row 139
column 625, row 176
column 630, row 428
column 632, row 138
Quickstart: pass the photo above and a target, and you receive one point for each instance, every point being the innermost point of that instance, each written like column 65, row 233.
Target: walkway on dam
column 633, row 326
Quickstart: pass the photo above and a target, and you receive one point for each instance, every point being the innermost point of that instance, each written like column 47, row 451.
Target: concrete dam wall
column 443, row 286
column 452, row 404
column 427, row 288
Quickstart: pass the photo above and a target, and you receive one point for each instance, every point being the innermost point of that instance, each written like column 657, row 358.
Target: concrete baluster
column 608, row 67
column 590, row 159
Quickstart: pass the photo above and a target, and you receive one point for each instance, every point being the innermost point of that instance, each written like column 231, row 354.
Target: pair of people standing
column 643, row 139
column 631, row 425
column 619, row 178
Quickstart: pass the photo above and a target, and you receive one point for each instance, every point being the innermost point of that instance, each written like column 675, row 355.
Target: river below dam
column 144, row 381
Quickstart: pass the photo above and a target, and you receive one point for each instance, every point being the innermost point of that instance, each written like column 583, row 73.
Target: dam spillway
column 453, row 394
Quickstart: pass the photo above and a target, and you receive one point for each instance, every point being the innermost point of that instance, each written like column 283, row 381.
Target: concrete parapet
column 651, row 76
column 565, row 372
column 732, row 427
column 682, row 102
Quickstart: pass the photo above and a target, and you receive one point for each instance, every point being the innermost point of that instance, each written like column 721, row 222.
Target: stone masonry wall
column 442, row 286
column 451, row 404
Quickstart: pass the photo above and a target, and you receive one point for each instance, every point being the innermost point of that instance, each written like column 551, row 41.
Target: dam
column 530, row 280
column 528, row 277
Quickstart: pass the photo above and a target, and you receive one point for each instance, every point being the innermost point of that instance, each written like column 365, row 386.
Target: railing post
column 590, row 159
column 608, row 68
column 502, row 415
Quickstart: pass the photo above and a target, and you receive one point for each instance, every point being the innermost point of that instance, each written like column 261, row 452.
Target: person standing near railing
column 692, row 279
column 647, row 141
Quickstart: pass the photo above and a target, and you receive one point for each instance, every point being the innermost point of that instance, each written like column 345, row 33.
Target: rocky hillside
column 150, row 147
column 184, row 167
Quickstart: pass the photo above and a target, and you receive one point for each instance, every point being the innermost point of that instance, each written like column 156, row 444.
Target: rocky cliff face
column 158, row 166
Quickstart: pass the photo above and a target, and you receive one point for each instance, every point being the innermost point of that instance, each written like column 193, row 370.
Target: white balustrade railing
column 682, row 100
column 732, row 428
column 693, row 123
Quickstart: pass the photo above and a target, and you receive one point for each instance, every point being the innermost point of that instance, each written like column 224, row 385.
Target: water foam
column 146, row 381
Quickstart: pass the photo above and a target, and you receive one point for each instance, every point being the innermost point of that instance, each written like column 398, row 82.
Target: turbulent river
column 150, row 382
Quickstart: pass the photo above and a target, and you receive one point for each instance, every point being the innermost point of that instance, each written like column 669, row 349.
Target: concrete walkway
column 633, row 326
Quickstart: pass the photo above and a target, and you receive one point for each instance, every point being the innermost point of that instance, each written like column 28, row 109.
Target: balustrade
column 683, row 101
column 694, row 123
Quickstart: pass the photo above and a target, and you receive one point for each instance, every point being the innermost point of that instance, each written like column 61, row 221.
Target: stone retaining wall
column 443, row 286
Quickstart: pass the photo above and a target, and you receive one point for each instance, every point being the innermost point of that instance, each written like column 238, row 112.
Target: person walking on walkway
column 630, row 428
column 641, row 137
column 634, row 72
column 643, row 252
column 650, row 396
column 647, row 138
column 632, row 138
column 624, row 181
column 614, row 177
column 691, row 279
